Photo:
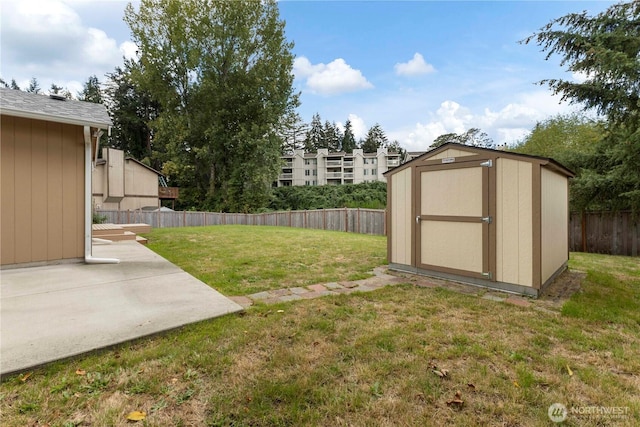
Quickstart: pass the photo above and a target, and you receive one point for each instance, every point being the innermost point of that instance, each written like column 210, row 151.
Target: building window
column 366, row 172
column 374, row 172
column 315, row 172
column 373, row 161
column 307, row 172
column 366, row 161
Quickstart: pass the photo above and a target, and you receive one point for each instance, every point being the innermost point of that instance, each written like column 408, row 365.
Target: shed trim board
column 461, row 197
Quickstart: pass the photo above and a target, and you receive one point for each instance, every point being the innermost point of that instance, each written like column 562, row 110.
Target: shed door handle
column 418, row 219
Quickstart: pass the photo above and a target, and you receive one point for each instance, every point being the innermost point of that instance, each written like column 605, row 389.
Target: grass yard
column 241, row 260
column 374, row 359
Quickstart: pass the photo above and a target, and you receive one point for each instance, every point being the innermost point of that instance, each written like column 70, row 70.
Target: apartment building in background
column 324, row 168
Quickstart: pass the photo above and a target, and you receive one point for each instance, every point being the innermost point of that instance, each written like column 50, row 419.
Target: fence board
column 365, row 221
column 614, row 233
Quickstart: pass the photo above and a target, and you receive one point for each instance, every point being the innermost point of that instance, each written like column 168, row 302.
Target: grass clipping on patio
column 401, row 355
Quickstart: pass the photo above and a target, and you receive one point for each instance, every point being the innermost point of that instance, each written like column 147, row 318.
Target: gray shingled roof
column 23, row 104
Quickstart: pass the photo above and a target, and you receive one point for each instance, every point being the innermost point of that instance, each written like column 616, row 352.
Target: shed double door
column 453, row 220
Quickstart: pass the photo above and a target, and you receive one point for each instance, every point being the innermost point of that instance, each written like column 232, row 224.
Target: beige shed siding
column 514, row 222
column 452, row 245
column 42, row 191
column 451, row 152
column 452, row 191
column 401, row 222
column 554, row 221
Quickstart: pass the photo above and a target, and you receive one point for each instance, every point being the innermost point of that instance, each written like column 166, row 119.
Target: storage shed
column 487, row 217
column 46, row 147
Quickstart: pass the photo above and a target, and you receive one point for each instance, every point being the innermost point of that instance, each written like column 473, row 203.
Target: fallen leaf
column 458, row 394
column 280, row 311
column 569, row 371
column 456, row 402
column 438, row 373
column 137, row 416
column 25, row 376
column 81, row 372
column 471, row 386
column 515, row 383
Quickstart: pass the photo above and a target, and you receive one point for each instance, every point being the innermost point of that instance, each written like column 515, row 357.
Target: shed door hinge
column 487, row 164
column 487, row 219
column 487, row 275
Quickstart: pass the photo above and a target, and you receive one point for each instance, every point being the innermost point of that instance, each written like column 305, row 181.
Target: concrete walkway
column 54, row 312
column 379, row 280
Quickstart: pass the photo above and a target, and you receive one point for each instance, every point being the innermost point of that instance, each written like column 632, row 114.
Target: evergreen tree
column 606, row 49
column 132, row 110
column 91, row 91
column 14, row 85
column 332, row 136
column 34, row 86
column 292, row 131
column 348, row 139
column 55, row 89
column 315, row 136
column 376, row 138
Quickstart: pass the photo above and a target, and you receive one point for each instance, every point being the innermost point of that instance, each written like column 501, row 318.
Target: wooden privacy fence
column 614, row 233
column 363, row 221
column 596, row 232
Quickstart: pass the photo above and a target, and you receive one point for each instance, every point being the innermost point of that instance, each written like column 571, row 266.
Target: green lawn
column 241, row 260
column 360, row 359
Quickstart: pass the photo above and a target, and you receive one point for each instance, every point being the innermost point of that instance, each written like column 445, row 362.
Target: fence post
column 346, row 220
column 584, row 231
column 358, row 222
column 384, row 223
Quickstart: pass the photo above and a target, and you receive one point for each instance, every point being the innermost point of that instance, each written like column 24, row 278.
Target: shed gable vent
column 57, row 97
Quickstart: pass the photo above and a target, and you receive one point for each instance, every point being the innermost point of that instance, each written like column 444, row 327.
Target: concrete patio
column 54, row 312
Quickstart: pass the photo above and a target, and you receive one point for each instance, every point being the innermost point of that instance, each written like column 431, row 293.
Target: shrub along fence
column 363, row 221
column 615, row 233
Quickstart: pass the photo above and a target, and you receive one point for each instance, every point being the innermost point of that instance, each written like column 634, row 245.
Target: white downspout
column 88, row 258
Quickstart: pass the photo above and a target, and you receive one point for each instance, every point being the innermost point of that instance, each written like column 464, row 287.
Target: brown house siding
column 42, row 202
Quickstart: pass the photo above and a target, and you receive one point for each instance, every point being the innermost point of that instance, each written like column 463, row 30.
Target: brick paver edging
column 379, row 280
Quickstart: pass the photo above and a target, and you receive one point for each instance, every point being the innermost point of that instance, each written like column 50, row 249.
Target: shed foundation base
column 501, row 286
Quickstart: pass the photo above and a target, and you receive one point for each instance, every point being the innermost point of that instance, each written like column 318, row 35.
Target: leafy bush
column 370, row 195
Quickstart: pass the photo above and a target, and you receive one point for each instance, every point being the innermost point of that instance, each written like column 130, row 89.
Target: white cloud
column 333, row 78
column 358, row 127
column 129, row 49
column 507, row 125
column 48, row 40
column 414, row 67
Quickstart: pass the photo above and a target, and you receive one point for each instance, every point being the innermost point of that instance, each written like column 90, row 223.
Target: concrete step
column 117, row 237
column 136, row 228
column 141, row 240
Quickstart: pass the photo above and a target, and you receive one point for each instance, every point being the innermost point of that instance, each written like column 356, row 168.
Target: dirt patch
column 561, row 289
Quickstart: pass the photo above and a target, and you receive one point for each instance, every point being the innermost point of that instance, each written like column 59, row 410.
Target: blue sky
column 418, row 68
